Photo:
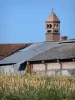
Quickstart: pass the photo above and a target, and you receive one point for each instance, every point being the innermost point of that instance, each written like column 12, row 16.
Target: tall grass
column 22, row 87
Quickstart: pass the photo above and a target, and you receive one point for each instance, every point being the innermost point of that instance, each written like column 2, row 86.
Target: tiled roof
column 8, row 49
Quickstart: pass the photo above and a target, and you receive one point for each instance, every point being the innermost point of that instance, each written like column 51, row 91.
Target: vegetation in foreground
column 22, row 87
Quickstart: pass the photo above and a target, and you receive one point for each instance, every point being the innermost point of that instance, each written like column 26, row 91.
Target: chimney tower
column 52, row 28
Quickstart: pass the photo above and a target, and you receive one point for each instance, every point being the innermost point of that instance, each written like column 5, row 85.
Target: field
column 24, row 87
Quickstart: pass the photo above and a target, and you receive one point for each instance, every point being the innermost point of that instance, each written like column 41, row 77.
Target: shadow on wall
column 22, row 67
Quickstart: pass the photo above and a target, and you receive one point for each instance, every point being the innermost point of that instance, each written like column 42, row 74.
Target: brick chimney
column 64, row 38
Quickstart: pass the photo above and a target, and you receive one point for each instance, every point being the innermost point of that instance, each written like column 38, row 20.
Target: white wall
column 55, row 68
column 38, row 67
column 13, row 69
column 52, row 66
column 7, row 69
column 68, row 65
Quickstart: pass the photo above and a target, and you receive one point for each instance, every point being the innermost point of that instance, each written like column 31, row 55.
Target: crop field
column 24, row 87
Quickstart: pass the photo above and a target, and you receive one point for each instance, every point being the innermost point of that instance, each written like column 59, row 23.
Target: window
column 55, row 30
column 48, row 30
column 57, row 25
column 54, row 25
column 49, row 26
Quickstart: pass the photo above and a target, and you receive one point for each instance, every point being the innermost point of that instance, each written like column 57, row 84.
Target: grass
column 22, row 87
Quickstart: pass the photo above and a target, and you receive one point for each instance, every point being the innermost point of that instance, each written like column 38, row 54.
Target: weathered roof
column 25, row 54
column 52, row 18
column 63, row 50
column 43, row 51
column 8, row 49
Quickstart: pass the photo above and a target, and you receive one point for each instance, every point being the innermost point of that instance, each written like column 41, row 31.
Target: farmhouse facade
column 55, row 56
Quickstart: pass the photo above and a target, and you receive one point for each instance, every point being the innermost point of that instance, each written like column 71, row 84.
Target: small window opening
column 49, row 31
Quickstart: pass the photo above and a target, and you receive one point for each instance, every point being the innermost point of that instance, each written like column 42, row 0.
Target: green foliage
column 40, row 94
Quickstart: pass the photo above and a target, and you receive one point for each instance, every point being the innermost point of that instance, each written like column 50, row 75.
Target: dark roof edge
column 7, row 64
column 55, row 60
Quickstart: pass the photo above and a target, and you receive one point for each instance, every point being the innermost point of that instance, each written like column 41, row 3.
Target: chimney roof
column 52, row 18
column 63, row 37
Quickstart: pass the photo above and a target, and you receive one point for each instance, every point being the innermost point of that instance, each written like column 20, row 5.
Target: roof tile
column 8, row 49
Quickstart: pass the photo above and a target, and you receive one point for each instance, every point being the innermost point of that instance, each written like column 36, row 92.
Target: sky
column 23, row 21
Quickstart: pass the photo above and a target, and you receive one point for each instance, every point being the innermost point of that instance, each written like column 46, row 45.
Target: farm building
column 55, row 56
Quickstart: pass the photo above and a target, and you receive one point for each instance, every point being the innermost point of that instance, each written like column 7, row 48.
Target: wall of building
column 68, row 68
column 20, row 68
column 7, row 69
column 13, row 69
column 63, row 68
